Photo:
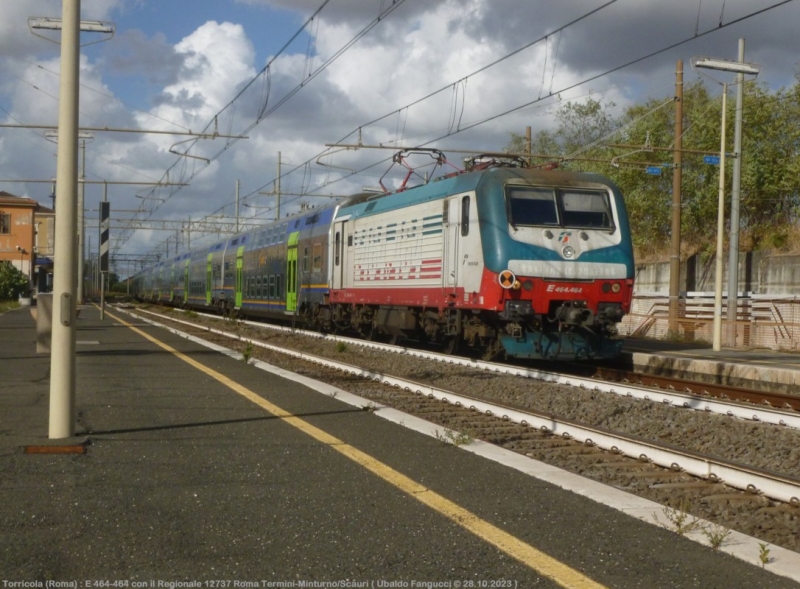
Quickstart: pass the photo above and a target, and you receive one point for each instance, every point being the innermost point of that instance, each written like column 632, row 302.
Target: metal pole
column 237, row 206
column 62, row 357
column 278, row 188
column 91, row 268
column 81, row 224
column 717, row 345
column 733, row 255
column 528, row 146
column 675, row 244
column 102, row 274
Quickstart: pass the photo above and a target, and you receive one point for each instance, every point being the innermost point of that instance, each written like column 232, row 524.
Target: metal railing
column 762, row 321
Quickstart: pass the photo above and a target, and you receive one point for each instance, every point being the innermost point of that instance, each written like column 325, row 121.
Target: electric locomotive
column 493, row 260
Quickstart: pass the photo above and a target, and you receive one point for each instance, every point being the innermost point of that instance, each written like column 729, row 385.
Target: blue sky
column 268, row 29
column 176, row 64
column 266, row 26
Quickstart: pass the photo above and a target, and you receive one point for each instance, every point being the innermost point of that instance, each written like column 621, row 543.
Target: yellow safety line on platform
column 511, row 545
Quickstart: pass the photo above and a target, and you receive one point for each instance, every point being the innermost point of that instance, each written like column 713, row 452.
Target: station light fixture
column 724, row 65
column 741, row 68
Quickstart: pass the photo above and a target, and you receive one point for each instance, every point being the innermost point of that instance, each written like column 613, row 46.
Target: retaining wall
column 768, row 310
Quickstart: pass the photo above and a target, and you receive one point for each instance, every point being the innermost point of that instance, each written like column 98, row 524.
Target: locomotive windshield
column 557, row 207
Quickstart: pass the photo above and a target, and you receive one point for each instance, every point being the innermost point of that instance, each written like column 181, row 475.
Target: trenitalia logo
column 565, row 289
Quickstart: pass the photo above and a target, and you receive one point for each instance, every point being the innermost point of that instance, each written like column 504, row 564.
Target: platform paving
column 756, row 368
column 185, row 481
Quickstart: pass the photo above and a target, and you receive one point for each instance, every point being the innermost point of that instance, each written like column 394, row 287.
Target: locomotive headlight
column 615, row 287
column 568, row 252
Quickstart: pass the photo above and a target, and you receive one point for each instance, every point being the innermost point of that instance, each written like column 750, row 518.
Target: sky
column 262, row 77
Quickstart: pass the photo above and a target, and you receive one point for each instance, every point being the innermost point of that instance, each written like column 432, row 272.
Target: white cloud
column 421, row 47
column 218, row 59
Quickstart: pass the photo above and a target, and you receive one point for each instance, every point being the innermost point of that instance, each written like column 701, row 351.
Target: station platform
column 199, row 470
column 751, row 368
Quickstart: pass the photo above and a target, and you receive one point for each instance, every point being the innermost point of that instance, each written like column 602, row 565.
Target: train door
column 339, row 256
column 462, row 247
column 452, row 222
column 291, row 272
column 209, row 278
column 186, row 282
column 172, row 282
column 239, row 279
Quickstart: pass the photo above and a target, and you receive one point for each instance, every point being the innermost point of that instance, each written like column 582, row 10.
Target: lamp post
column 63, row 346
column 741, row 68
column 84, row 138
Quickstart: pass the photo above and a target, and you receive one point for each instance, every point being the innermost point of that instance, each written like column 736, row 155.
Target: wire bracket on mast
column 214, row 135
column 645, row 148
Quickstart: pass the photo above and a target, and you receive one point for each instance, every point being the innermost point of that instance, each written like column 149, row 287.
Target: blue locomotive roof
column 466, row 182
column 489, row 185
column 434, row 190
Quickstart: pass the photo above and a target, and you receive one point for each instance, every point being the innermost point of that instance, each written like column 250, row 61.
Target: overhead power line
column 561, row 90
column 460, row 129
column 151, row 205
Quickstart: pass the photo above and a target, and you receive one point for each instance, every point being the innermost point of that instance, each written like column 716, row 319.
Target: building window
column 5, row 223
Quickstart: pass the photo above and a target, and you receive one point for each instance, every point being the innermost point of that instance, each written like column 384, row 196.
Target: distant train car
column 501, row 260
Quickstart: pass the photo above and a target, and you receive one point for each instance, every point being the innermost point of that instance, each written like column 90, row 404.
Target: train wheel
column 494, row 351
column 371, row 334
column 452, row 345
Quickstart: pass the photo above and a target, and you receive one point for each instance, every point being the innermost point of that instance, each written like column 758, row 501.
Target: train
column 491, row 260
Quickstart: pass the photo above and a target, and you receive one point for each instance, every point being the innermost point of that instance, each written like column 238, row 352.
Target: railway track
column 700, row 389
column 759, row 406
column 659, row 471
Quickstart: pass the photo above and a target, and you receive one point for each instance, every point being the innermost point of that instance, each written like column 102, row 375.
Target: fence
column 762, row 321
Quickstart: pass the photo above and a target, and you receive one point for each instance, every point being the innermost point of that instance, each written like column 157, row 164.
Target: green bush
column 12, row 282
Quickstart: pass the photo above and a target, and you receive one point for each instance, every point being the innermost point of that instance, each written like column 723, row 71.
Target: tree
column 12, row 282
column 770, row 182
column 579, row 124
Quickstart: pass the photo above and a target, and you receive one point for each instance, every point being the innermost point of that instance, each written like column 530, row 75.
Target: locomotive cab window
column 586, row 209
column 553, row 207
column 531, row 206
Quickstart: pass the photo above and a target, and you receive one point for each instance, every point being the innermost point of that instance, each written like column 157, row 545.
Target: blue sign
column 653, row 170
column 711, row 159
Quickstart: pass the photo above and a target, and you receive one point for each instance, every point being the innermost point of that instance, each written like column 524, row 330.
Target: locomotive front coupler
column 574, row 313
column 515, row 310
